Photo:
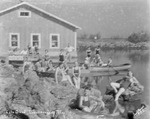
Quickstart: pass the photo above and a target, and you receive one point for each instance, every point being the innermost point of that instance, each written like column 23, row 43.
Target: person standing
column 69, row 49
column 61, row 56
column 36, row 49
column 97, row 50
column 46, row 55
column 88, row 52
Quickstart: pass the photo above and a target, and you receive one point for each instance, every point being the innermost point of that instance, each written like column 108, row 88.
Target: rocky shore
column 31, row 97
column 37, row 97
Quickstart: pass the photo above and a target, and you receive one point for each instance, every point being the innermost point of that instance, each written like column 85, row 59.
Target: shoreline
column 112, row 45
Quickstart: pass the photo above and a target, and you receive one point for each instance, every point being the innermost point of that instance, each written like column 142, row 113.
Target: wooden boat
column 109, row 68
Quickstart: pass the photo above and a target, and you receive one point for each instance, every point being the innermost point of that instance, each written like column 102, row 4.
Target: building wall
column 11, row 23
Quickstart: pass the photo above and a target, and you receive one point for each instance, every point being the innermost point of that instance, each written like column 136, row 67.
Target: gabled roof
column 39, row 10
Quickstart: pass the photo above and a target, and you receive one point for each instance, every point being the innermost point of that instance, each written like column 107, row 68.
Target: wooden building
column 25, row 24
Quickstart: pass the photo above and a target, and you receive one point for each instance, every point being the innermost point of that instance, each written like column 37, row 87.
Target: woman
column 50, row 66
column 85, row 101
column 86, row 63
column 88, row 52
column 99, row 61
column 66, row 76
column 97, row 50
column 61, row 75
column 76, row 75
column 46, row 56
column 43, row 65
column 91, row 103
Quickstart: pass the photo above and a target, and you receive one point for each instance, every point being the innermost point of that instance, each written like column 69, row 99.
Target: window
column 24, row 14
column 14, row 40
column 36, row 40
column 54, row 40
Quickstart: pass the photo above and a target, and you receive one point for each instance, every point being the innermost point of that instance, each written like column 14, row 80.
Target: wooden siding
column 11, row 23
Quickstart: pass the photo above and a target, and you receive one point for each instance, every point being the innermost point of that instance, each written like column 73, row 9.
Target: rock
column 34, row 94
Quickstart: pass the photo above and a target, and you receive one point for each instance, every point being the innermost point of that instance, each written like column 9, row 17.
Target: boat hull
column 113, row 69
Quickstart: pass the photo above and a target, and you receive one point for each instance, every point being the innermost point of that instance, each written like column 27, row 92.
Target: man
column 69, row 49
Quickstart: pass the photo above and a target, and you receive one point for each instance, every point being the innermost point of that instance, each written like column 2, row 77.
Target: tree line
column 133, row 38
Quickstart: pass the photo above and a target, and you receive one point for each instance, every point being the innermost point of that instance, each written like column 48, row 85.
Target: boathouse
column 25, row 24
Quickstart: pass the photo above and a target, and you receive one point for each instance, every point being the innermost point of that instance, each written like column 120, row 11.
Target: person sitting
column 86, row 63
column 10, row 51
column 122, row 85
column 85, row 102
column 38, row 66
column 29, row 50
column 76, row 75
column 36, row 49
column 99, row 61
column 135, row 86
column 15, row 51
column 93, row 62
column 62, row 71
column 46, row 55
column 66, row 76
column 50, row 66
column 27, row 65
column 89, row 102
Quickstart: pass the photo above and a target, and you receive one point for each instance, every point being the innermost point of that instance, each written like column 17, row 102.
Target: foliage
column 138, row 37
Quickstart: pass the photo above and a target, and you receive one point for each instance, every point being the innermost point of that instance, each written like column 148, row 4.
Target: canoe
column 110, row 68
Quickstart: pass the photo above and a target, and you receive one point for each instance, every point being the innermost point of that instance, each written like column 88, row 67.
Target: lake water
column 140, row 67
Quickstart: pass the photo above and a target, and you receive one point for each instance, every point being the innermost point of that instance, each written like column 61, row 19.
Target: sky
column 110, row 18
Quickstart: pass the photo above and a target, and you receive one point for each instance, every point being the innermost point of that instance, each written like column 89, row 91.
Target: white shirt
column 69, row 49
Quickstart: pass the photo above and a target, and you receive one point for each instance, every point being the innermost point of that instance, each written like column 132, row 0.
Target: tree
column 138, row 37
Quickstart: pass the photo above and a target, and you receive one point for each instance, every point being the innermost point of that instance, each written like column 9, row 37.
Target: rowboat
column 108, row 68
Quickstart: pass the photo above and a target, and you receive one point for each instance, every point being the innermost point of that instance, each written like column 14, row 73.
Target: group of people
column 66, row 53
column 128, row 85
column 65, row 75
column 26, row 51
column 96, row 60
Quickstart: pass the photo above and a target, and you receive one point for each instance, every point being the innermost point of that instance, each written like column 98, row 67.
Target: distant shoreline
column 110, row 44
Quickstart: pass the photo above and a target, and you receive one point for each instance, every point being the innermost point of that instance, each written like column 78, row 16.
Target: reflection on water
column 122, row 108
column 139, row 57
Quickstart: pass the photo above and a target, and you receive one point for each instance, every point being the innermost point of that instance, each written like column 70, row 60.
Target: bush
column 138, row 37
